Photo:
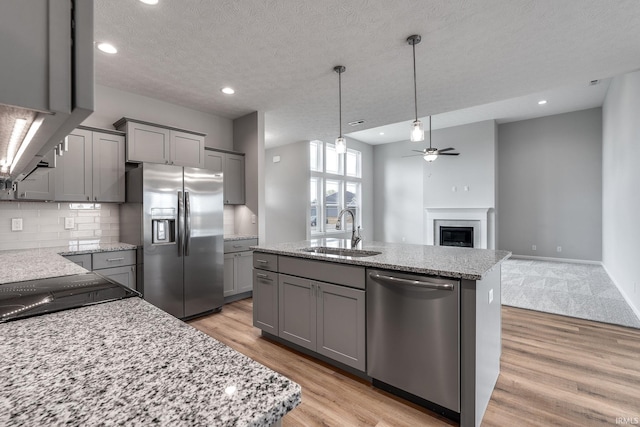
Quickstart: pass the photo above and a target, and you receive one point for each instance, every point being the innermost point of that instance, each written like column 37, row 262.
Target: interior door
column 204, row 241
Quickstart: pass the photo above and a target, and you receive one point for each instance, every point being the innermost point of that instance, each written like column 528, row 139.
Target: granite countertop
column 129, row 363
column 232, row 237
column 463, row 263
column 31, row 264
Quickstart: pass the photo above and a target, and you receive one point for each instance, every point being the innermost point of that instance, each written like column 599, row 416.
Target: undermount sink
column 324, row 250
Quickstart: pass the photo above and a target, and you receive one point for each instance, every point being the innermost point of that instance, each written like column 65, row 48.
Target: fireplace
column 481, row 220
column 456, row 236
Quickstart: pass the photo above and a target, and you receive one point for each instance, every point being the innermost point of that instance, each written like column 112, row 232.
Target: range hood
column 46, row 79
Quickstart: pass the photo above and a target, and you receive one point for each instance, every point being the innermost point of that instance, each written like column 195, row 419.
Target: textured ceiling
column 279, row 55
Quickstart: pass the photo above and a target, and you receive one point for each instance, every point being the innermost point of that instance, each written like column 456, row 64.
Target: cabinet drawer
column 239, row 245
column 347, row 275
column 265, row 261
column 124, row 275
column 113, row 259
column 83, row 260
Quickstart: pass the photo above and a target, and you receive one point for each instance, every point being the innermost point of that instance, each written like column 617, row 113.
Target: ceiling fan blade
column 419, row 151
column 448, row 154
column 446, row 149
column 414, row 155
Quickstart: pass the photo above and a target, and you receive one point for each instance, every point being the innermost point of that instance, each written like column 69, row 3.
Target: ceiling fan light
column 417, row 131
column 430, row 157
column 341, row 145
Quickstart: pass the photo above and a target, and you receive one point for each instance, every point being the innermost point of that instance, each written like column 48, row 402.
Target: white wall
column 113, row 104
column 550, row 185
column 620, row 180
column 406, row 186
column 287, row 192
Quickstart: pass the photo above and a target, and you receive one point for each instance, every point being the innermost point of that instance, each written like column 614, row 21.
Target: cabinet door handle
column 237, row 246
column 263, row 276
column 115, row 259
column 262, row 261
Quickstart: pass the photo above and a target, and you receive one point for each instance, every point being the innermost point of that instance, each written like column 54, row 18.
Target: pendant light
column 341, row 143
column 431, row 154
column 417, row 131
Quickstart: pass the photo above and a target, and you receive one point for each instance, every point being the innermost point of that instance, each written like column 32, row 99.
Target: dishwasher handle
column 408, row 282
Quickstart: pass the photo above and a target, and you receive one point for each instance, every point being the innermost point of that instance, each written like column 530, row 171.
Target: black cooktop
column 34, row 297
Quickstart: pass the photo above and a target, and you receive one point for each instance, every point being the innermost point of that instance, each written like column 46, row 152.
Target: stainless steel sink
column 324, row 250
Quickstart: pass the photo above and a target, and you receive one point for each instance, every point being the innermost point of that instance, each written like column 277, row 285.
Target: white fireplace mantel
column 458, row 214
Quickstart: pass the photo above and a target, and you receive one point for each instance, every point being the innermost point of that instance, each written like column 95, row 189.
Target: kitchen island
column 320, row 297
column 126, row 362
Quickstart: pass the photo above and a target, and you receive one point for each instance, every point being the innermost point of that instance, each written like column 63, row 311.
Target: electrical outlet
column 466, row 188
column 69, row 223
column 490, row 296
column 559, row 249
column 534, row 248
column 16, row 224
column 454, row 188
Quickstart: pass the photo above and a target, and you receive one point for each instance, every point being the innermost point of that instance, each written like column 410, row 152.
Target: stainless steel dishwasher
column 413, row 337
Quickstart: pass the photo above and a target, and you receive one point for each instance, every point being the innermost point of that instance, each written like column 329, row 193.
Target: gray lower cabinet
column 265, row 300
column 238, row 277
column 119, row 266
column 325, row 318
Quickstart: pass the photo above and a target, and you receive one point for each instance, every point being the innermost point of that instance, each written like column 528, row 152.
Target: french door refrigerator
column 175, row 216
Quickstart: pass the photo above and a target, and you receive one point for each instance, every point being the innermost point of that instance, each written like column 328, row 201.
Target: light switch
column 490, row 296
column 16, row 224
column 253, row 219
column 69, row 223
column 276, row 159
column 454, row 188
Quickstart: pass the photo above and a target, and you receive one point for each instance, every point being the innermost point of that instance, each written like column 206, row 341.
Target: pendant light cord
column 429, row 132
column 415, row 89
column 340, row 99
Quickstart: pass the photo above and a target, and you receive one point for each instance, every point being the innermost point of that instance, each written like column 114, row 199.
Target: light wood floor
column 555, row 371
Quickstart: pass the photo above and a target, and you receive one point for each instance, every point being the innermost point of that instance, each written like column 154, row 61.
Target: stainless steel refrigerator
column 175, row 215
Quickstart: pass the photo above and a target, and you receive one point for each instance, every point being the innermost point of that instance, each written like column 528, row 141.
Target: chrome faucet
column 355, row 238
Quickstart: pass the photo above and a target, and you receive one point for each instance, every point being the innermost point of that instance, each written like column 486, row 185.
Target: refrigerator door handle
column 180, row 223
column 187, row 228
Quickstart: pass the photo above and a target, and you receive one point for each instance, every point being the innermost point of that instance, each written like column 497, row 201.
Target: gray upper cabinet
column 73, row 174
column 232, row 166
column 214, row 160
column 92, row 169
column 187, row 149
column 108, row 167
column 234, row 179
column 39, row 185
column 149, row 142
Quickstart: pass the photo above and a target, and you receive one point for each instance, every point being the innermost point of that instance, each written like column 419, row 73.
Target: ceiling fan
column 431, row 153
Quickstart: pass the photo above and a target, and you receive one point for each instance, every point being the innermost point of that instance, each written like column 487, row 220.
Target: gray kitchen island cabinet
column 304, row 309
column 324, row 318
column 153, row 143
column 93, row 168
column 265, row 296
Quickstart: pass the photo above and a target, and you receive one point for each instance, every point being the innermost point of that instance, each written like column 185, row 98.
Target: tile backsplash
column 229, row 220
column 43, row 224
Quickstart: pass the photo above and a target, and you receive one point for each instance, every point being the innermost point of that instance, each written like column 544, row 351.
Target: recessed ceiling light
column 381, row 133
column 542, row 102
column 227, row 90
column 107, row 48
column 151, row 2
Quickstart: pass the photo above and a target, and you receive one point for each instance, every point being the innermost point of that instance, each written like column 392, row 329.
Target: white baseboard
column 624, row 294
column 569, row 260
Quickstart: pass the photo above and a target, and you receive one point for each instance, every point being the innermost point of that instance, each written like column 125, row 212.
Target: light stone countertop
column 129, row 363
column 233, row 237
column 30, row 264
column 446, row 261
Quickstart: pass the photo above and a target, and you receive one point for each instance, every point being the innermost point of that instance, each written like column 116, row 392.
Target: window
column 335, row 184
